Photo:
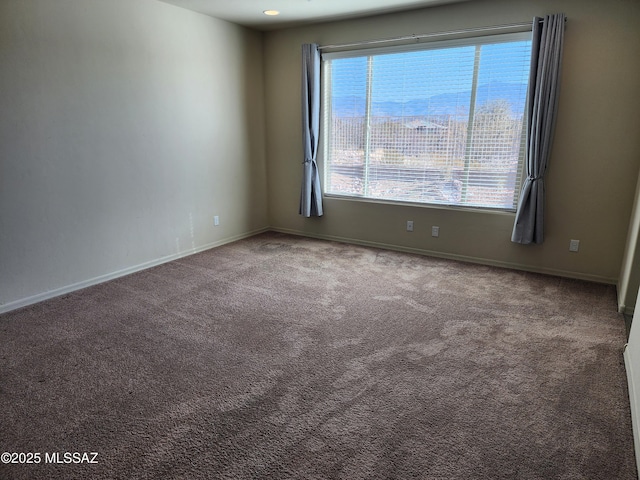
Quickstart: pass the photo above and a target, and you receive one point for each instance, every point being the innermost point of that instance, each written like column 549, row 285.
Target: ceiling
column 297, row 12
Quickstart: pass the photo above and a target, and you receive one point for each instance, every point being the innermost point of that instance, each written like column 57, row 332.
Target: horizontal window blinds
column 441, row 123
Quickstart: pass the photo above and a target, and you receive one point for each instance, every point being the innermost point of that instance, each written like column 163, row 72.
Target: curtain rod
column 427, row 35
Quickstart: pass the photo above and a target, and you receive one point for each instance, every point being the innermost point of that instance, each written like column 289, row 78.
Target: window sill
column 432, row 206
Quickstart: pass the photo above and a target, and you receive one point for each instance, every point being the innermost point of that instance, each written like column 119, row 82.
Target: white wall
column 632, row 364
column 629, row 280
column 594, row 161
column 125, row 127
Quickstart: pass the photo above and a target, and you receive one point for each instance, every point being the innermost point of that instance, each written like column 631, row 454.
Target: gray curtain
column 311, row 193
column 542, row 104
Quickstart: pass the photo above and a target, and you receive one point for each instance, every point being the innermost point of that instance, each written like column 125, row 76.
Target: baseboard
column 453, row 256
column 633, row 399
column 7, row 307
column 23, row 302
column 622, row 308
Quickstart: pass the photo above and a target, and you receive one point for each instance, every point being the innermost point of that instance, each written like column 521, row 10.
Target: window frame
column 416, row 45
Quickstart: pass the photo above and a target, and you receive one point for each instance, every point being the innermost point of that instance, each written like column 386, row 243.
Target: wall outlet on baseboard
column 216, row 220
column 574, row 245
column 409, row 225
column 435, row 231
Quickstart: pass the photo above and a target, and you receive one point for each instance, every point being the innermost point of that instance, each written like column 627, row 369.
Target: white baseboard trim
column 7, row 307
column 633, row 399
column 622, row 308
column 24, row 302
column 453, row 256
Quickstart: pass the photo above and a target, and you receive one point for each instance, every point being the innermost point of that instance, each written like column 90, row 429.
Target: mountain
column 442, row 104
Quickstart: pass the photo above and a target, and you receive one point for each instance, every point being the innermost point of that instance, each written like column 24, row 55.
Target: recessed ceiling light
column 271, row 12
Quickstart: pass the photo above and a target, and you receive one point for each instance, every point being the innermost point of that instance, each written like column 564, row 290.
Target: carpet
column 281, row 357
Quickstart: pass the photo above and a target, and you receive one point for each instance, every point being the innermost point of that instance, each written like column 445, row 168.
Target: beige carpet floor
column 279, row 357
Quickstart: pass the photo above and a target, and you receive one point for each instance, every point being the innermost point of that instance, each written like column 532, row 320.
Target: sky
column 406, row 76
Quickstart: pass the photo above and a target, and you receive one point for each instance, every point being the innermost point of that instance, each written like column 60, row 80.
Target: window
column 437, row 123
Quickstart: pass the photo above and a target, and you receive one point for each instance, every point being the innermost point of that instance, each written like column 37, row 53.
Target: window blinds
column 437, row 123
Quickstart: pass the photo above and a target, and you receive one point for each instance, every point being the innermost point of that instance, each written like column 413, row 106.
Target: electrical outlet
column 409, row 225
column 574, row 245
column 435, row 231
column 216, row 220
